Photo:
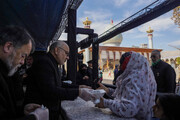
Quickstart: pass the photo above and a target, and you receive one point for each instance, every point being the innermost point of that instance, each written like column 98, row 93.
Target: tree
column 176, row 16
column 178, row 60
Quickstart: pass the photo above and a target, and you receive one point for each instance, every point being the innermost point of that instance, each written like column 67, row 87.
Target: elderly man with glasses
column 164, row 74
column 45, row 85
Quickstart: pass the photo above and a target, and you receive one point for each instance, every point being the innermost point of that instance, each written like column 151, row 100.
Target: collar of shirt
column 155, row 63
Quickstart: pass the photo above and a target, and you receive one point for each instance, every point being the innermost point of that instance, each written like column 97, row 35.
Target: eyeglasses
column 67, row 53
column 153, row 56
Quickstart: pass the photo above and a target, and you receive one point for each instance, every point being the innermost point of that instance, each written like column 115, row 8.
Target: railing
column 153, row 10
column 133, row 17
column 146, row 14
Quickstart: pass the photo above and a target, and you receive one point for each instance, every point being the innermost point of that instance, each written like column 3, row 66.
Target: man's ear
column 56, row 50
column 8, row 47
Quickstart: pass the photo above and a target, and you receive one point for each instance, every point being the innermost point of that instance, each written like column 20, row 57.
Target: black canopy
column 40, row 17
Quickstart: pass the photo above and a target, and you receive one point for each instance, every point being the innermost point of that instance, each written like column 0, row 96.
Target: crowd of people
column 139, row 86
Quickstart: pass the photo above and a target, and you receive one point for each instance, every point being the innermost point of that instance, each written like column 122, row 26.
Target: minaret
column 87, row 23
column 150, row 37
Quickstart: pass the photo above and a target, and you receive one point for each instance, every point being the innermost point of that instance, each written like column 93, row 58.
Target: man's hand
column 30, row 108
column 24, row 75
column 85, row 78
column 84, row 86
column 85, row 94
column 101, row 104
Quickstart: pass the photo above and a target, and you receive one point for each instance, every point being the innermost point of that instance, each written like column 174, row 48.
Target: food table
column 82, row 110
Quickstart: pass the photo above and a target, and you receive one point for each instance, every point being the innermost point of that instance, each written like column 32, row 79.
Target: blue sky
column 100, row 12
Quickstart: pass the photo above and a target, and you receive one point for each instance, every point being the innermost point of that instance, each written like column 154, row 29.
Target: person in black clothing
column 164, row 74
column 29, row 62
column 116, row 70
column 15, row 45
column 116, row 73
column 90, row 67
column 167, row 105
column 83, row 76
column 44, row 83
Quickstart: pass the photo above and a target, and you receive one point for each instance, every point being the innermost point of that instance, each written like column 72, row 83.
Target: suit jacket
column 165, row 77
column 45, row 87
column 8, row 107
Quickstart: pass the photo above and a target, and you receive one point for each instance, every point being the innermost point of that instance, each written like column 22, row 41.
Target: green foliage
column 178, row 60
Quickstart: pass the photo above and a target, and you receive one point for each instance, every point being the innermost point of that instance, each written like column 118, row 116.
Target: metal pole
column 72, row 62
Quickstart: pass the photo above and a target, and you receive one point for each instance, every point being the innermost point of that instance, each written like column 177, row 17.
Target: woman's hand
column 101, row 104
column 103, row 87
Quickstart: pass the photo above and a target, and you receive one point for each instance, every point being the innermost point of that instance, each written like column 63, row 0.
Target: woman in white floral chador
column 136, row 89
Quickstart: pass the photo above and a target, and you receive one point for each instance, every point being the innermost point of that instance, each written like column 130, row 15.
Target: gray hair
column 56, row 44
column 17, row 35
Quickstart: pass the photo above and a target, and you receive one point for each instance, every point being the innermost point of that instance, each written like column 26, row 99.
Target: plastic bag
column 98, row 94
column 41, row 113
column 92, row 95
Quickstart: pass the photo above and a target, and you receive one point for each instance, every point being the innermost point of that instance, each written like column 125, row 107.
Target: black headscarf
column 83, row 71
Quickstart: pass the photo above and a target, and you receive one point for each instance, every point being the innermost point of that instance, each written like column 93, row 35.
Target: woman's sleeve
column 111, row 91
column 127, row 104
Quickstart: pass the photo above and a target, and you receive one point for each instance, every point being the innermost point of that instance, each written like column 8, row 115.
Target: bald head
column 60, row 51
column 55, row 44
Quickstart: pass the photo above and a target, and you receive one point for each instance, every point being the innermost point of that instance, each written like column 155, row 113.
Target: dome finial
column 87, row 23
column 150, row 30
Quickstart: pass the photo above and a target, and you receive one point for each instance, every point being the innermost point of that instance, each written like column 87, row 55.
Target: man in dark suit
column 164, row 74
column 45, row 85
column 15, row 45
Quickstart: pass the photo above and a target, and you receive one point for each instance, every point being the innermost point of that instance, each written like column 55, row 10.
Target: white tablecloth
column 82, row 110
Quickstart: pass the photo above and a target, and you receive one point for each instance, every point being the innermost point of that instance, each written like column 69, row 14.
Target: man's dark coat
column 45, row 86
column 165, row 77
column 8, row 106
